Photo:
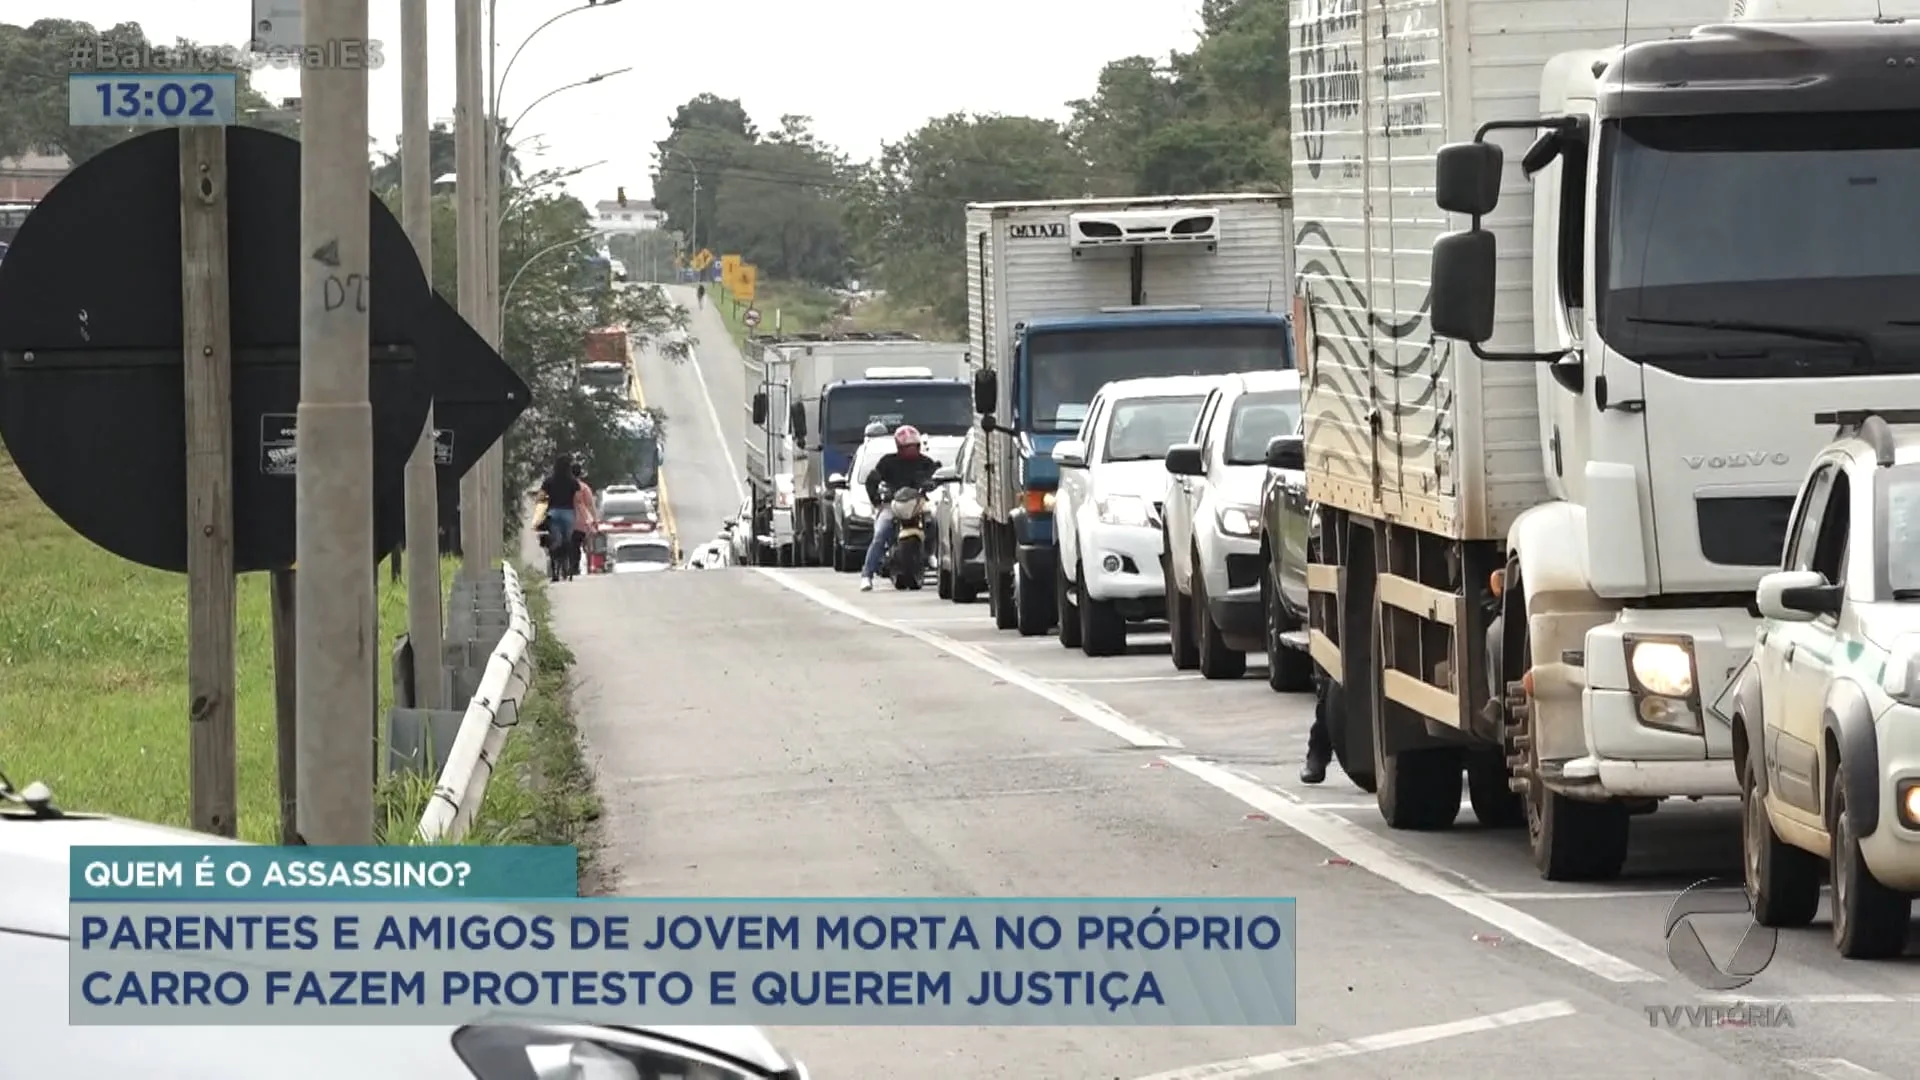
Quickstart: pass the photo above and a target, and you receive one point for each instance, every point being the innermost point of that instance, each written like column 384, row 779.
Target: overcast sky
column 867, row 71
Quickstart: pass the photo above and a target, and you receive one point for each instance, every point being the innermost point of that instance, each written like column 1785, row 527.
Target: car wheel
column 1783, row 882
column 1869, row 919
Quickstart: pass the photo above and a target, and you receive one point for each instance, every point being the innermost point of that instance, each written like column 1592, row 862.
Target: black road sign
column 91, row 394
column 476, row 397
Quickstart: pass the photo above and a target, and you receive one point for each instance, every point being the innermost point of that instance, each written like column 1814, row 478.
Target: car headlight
column 1239, row 521
column 1901, row 677
column 1121, row 509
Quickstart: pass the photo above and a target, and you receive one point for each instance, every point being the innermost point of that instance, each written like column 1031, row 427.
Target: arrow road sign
column 91, row 373
column 476, row 396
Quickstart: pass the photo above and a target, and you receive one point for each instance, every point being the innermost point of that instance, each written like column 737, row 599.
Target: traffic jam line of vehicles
column 1515, row 511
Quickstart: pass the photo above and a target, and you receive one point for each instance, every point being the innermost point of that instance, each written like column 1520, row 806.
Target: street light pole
column 423, row 481
column 335, row 641
column 536, row 256
column 470, row 195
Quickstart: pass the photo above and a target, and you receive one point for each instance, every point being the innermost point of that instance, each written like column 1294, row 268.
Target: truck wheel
column 1185, row 651
column 1000, row 599
column 1490, row 789
column 1103, row 631
column 1869, row 919
column 1216, row 660
column 1287, row 669
column 1783, row 882
column 1033, row 604
column 1330, row 708
column 1572, row 839
column 1418, row 789
column 1068, row 613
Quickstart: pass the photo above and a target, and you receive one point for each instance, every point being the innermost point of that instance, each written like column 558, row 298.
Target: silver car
column 34, row 858
column 956, row 515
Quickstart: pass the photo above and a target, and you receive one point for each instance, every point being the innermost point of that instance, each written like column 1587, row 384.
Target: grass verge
column 805, row 308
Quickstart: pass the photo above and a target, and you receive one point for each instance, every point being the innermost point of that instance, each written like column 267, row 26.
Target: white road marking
column 945, row 620
column 1837, row 1069
column 1331, row 831
column 1369, row 852
column 1117, row 681
column 1093, row 712
column 1816, row 999
column 1369, row 1044
column 1598, row 894
column 719, row 434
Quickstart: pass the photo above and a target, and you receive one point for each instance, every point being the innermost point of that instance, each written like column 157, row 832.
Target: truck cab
column 1721, row 255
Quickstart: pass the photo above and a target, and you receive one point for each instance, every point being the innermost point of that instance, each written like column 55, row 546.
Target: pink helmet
column 906, row 435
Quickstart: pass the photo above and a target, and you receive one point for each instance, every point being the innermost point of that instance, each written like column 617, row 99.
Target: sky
column 866, row 71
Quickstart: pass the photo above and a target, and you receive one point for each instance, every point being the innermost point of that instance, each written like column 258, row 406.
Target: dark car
column 1288, row 523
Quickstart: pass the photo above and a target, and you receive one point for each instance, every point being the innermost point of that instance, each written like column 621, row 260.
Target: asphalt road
column 768, row 732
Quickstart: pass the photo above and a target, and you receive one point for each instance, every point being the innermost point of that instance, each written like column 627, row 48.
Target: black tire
column 1068, row 612
column 1869, row 919
column 943, row 581
column 1418, row 789
column 964, row 591
column 1185, row 651
column 1783, row 882
column 1495, row 804
column 1000, row 599
column 1217, row 661
column 1331, row 705
column 1572, row 839
column 844, row 559
column 1288, row 670
column 909, row 564
column 1033, row 605
column 1103, row 630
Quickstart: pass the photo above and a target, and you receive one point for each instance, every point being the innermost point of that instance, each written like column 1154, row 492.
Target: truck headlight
column 1901, row 677
column 1121, row 510
column 1665, row 682
column 1239, row 521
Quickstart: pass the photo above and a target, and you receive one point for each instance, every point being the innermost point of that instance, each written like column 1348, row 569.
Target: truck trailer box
column 1403, row 426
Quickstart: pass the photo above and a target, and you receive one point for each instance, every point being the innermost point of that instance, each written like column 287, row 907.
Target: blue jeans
column 883, row 535
column 559, row 528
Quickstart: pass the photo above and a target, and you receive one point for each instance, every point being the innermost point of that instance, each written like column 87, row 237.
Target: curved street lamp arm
column 535, row 257
column 499, row 84
column 506, row 136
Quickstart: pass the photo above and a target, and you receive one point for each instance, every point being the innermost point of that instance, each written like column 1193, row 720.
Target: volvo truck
column 1555, row 448
column 1066, row 296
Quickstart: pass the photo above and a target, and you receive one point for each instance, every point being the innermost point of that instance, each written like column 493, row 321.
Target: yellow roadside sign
column 729, row 268
column 744, row 282
column 703, row 260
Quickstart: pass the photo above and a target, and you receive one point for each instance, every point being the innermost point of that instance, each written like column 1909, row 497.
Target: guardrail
column 490, row 716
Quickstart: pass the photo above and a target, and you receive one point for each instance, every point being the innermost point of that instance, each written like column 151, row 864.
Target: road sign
column 745, row 279
column 475, row 409
column 751, row 318
column 729, row 268
column 91, row 371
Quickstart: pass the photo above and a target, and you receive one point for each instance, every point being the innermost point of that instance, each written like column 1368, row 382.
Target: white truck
column 1554, row 457
column 1064, row 297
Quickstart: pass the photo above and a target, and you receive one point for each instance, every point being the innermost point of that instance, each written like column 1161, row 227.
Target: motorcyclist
column 905, row 467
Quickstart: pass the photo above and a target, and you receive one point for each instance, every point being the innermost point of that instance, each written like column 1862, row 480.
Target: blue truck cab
column 1057, row 365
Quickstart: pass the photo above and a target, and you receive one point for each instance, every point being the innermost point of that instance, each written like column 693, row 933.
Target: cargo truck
column 1064, row 297
column 816, row 393
column 606, row 365
column 1553, row 456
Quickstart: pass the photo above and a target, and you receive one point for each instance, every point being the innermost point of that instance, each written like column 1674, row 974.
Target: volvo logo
column 1739, row 459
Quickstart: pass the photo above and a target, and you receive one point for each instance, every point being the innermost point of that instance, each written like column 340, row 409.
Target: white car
column 1112, row 476
column 1211, row 529
column 35, row 843
column 1826, row 720
column 639, row 554
column 712, row 555
column 956, row 514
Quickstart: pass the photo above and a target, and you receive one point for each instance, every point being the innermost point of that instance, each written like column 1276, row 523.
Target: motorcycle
column 906, row 559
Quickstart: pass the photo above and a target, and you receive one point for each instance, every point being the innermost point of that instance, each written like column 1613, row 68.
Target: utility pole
column 492, row 463
column 470, row 145
column 423, row 481
column 336, row 644
column 693, row 237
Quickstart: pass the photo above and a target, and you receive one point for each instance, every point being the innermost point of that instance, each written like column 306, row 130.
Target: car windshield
column 865, row 459
column 627, row 506
column 1799, row 226
column 1066, row 368
column 642, row 553
column 603, row 377
column 1144, row 429
column 1257, row 419
column 936, row 408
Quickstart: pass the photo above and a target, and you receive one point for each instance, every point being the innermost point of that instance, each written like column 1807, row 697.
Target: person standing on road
column 563, row 498
column 586, row 518
column 700, row 295
column 1319, row 744
column 905, row 467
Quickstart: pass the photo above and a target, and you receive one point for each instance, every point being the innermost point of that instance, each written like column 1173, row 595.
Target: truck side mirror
column 1184, row 460
column 837, row 482
column 797, row 421
column 1287, row 452
column 1467, row 178
column 1461, row 300
column 760, row 408
column 986, row 391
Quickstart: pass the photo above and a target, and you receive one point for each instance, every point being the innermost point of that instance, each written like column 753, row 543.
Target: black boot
column 1314, row 770
column 1319, row 750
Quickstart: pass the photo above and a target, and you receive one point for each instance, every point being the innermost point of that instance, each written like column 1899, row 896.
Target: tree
column 35, row 61
column 909, row 219
column 708, row 133
column 1135, row 98
column 779, row 206
column 442, row 158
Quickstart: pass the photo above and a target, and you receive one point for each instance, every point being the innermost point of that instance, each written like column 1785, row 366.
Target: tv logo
column 1714, row 898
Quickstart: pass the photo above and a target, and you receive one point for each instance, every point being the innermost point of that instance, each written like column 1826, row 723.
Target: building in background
column 28, row 178
column 637, row 215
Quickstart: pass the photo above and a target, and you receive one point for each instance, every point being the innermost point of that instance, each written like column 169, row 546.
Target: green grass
column 93, row 677
column 804, row 308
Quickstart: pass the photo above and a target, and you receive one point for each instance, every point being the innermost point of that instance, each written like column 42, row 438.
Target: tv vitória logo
column 1717, row 899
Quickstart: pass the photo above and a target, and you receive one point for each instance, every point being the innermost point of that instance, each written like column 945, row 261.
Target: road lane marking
column 1261, row 1064
column 1129, row 679
column 1371, row 853
column 1837, row 1069
column 1816, row 999
column 1331, row 831
column 1600, row 894
column 1097, row 713
column 660, row 470
column 713, row 414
